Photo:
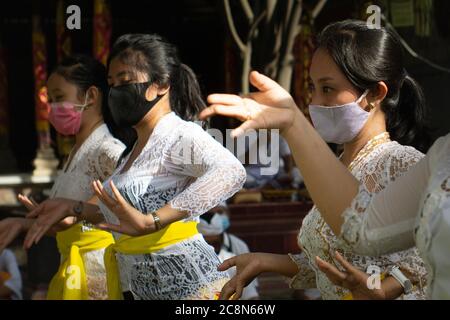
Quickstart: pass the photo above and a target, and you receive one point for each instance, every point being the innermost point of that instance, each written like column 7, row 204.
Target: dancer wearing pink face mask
column 66, row 116
column 78, row 94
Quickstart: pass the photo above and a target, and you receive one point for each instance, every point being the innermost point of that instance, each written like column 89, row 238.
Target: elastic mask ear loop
column 82, row 107
column 371, row 106
column 362, row 96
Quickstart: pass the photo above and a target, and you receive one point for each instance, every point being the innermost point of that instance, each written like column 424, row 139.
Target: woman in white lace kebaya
column 175, row 172
column 386, row 100
column 412, row 210
column 78, row 108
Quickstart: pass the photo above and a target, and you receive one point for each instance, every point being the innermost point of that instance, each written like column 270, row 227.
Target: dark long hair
column 151, row 54
column 367, row 56
column 85, row 72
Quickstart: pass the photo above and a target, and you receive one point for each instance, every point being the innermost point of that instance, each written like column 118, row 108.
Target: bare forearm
column 392, row 288
column 331, row 186
column 26, row 224
column 167, row 215
column 278, row 263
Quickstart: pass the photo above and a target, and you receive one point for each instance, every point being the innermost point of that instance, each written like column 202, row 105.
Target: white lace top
column 96, row 158
column 379, row 163
column 417, row 205
column 182, row 165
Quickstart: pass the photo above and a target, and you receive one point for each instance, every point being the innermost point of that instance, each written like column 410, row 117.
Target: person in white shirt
column 213, row 226
column 10, row 277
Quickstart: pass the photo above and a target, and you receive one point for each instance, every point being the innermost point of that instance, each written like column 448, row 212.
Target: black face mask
column 128, row 104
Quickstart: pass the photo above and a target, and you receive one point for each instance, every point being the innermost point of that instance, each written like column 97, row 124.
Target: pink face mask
column 66, row 117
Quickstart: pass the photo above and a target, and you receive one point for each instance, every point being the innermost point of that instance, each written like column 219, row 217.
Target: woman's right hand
column 272, row 107
column 248, row 267
column 10, row 229
column 48, row 214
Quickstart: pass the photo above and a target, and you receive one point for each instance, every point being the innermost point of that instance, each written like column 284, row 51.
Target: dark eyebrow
column 325, row 79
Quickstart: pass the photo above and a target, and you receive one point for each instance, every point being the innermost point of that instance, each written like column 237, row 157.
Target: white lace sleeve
column 216, row 173
column 306, row 276
column 107, row 157
column 383, row 223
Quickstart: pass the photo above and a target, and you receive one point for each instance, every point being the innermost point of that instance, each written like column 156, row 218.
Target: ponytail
column 185, row 95
column 151, row 54
column 406, row 115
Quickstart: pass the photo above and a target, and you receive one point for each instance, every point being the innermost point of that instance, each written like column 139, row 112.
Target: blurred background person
column 10, row 277
column 213, row 226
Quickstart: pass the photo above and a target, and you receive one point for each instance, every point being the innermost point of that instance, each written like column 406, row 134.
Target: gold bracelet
column 156, row 220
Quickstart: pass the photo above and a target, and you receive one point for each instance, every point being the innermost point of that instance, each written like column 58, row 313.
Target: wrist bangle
column 156, row 220
column 402, row 279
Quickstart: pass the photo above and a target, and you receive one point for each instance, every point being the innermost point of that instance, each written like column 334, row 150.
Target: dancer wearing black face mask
column 174, row 173
column 128, row 103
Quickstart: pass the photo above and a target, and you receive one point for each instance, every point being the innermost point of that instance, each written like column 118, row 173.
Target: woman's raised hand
column 272, row 107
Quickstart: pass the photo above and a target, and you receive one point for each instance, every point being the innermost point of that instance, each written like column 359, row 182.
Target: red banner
column 40, row 88
column 63, row 49
column 63, row 41
column 102, row 30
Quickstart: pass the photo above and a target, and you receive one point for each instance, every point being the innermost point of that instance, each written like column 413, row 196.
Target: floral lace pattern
column 427, row 218
column 432, row 213
column 376, row 165
column 306, row 277
column 181, row 165
column 95, row 159
column 186, row 270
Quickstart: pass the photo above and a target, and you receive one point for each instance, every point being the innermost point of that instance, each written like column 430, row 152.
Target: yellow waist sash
column 69, row 283
column 173, row 233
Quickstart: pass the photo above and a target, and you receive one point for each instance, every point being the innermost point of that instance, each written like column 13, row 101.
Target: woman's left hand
column 352, row 279
column 131, row 221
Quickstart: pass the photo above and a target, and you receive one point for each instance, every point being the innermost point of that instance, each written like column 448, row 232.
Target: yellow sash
column 173, row 233
column 69, row 283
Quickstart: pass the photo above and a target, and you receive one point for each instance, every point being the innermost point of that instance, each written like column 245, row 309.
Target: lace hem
column 306, row 277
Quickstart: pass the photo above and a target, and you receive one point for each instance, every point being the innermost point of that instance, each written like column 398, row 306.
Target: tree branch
column 285, row 63
column 255, row 25
column 292, row 31
column 232, row 27
column 247, row 10
column 271, row 4
column 318, row 8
